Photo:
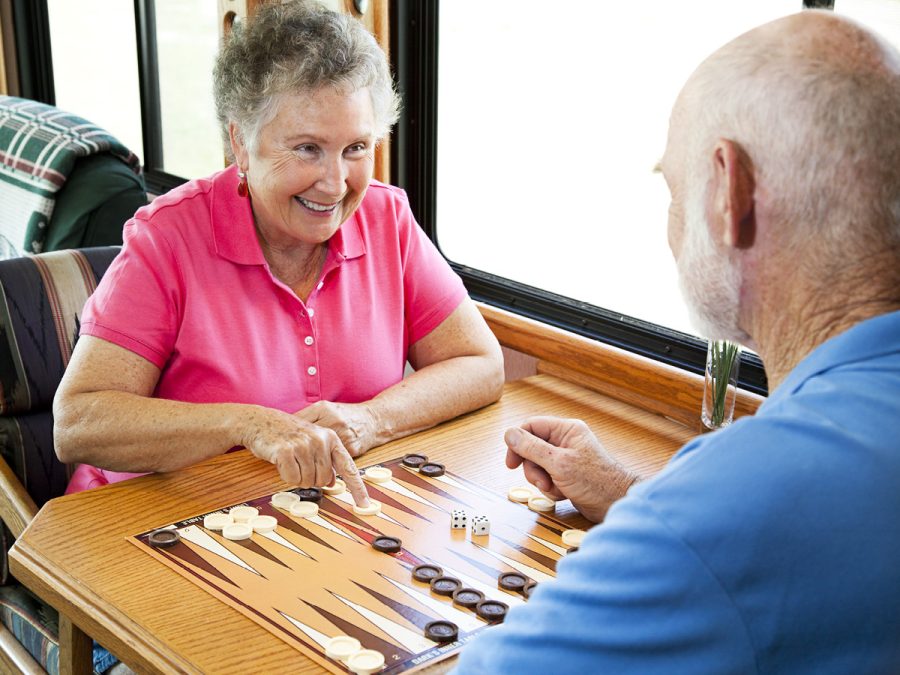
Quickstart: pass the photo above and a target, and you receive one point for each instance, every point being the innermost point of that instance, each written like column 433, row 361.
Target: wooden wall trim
column 654, row 386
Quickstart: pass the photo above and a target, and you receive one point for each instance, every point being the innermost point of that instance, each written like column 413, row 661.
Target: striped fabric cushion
column 34, row 624
column 41, row 298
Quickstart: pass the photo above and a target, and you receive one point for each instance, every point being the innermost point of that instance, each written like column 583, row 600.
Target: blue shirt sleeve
column 634, row 599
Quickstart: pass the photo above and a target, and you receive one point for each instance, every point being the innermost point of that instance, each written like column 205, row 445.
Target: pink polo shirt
column 192, row 293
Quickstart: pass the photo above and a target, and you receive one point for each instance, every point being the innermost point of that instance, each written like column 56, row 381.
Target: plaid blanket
column 39, row 145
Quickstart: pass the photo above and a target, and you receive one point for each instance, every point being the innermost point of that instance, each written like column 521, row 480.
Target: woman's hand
column 305, row 454
column 564, row 460
column 354, row 423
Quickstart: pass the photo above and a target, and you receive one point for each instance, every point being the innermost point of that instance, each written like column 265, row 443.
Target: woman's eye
column 357, row 149
column 307, row 150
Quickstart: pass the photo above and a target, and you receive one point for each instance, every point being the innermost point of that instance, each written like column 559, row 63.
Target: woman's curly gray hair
column 295, row 48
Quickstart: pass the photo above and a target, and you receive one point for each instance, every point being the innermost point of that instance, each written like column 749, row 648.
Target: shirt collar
column 869, row 339
column 234, row 233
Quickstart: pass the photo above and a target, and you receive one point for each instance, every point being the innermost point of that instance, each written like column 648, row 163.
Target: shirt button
column 308, row 339
column 311, row 370
column 312, row 312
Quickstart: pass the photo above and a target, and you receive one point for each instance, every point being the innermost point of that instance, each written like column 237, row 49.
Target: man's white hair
column 819, row 117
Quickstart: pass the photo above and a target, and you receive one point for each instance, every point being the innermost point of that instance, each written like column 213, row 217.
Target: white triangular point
column 394, row 486
column 197, row 536
column 411, row 641
column 278, row 539
column 348, row 499
column 535, row 574
column 321, row 522
column 489, row 591
column 465, row 620
column 315, row 635
column 553, row 547
column 455, row 483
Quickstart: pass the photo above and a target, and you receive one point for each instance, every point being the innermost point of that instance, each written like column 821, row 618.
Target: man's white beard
column 709, row 281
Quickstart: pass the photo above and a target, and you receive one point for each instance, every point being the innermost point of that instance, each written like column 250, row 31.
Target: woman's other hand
column 354, row 423
column 564, row 460
column 304, row 453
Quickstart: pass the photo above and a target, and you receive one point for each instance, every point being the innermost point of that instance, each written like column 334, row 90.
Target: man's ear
column 238, row 147
column 733, row 189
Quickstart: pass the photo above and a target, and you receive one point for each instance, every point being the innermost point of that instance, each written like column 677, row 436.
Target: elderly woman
column 275, row 304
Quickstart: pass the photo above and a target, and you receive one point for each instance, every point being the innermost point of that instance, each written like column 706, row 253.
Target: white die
column 481, row 525
column 458, row 519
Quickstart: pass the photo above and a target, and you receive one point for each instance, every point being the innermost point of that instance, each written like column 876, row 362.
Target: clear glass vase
column 723, row 361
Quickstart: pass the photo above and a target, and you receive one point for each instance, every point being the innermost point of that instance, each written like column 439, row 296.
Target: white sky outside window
column 95, row 71
column 551, row 118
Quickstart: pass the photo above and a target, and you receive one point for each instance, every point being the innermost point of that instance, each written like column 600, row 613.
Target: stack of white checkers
column 536, row 502
column 348, row 650
column 239, row 523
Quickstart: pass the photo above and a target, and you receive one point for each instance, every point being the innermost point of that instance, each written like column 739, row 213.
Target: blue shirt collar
column 866, row 340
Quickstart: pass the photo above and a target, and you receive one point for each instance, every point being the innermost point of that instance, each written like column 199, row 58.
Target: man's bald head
column 813, row 100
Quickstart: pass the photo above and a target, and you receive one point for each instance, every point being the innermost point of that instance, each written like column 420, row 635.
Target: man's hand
column 304, row 454
column 354, row 423
column 564, row 460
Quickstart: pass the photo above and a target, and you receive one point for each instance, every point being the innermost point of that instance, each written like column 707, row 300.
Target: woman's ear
column 238, row 147
column 733, row 187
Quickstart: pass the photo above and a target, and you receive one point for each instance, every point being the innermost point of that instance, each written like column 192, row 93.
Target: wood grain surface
column 76, row 557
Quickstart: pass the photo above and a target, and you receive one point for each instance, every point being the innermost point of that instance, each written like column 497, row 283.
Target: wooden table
column 75, row 555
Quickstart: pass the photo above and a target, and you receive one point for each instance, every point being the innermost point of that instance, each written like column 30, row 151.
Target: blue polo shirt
column 772, row 546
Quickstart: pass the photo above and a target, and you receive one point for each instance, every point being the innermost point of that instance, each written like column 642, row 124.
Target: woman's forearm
column 122, row 431
column 437, row 392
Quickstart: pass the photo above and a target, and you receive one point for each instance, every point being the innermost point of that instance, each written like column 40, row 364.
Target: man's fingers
column 535, row 475
column 512, row 460
column 345, row 466
column 530, row 447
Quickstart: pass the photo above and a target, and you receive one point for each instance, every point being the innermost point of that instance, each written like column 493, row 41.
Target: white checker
column 237, row 531
column 283, row 500
column 541, row 504
column 336, row 489
column 263, row 524
column 520, row 494
column 342, row 647
column 216, row 521
column 573, row 537
column 304, row 509
column 373, row 509
column 378, row 474
column 365, row 662
column 243, row 514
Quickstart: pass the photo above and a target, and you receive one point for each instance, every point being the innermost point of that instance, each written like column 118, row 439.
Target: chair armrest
column 17, row 508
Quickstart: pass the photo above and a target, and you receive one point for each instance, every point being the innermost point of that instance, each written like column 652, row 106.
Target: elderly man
column 771, row 546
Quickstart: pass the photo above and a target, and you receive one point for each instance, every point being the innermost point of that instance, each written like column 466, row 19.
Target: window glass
column 551, row 118
column 187, row 42
column 95, row 67
column 882, row 16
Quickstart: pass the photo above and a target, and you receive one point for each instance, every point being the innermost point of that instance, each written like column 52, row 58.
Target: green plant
column 722, row 357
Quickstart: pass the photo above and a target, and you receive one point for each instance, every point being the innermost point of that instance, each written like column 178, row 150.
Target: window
column 550, row 121
column 96, row 75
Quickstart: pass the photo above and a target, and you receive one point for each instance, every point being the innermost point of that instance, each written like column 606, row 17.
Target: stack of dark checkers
column 445, row 585
column 310, row 494
column 512, row 581
column 432, row 469
column 413, row 461
column 387, row 544
column 426, row 573
column 163, row 538
column 526, row 590
column 467, row 597
column 441, row 631
column 492, row 611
